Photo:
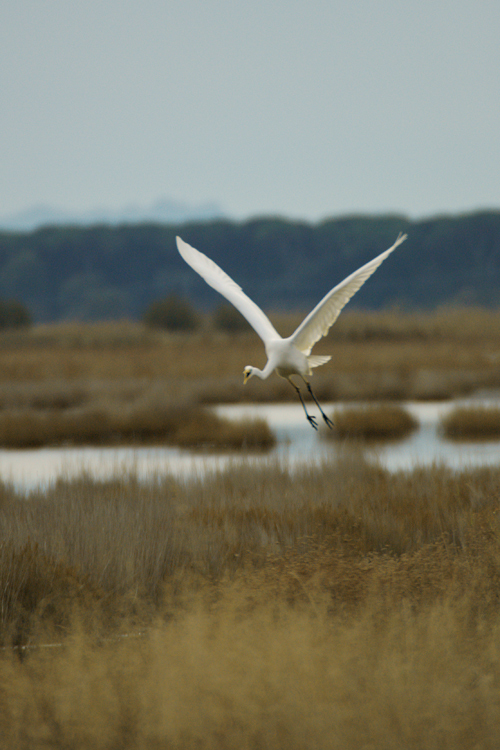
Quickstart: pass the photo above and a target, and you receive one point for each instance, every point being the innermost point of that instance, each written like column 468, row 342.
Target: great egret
column 290, row 356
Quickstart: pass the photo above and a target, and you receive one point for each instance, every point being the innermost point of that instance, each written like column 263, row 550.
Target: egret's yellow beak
column 246, row 375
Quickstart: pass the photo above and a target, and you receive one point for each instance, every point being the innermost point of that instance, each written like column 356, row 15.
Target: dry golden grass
column 121, row 382
column 138, row 423
column 341, row 607
column 277, row 677
column 373, row 422
column 456, row 323
column 122, row 536
column 408, row 354
column 471, row 423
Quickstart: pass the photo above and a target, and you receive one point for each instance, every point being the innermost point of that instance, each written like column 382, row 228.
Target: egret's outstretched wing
column 324, row 315
column 219, row 280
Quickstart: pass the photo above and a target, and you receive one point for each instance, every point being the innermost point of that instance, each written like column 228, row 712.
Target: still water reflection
column 297, row 445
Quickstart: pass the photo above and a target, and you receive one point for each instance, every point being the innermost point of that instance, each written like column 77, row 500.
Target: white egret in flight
column 290, row 356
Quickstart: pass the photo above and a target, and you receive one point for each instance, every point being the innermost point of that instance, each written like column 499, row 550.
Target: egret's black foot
column 312, row 420
column 328, row 422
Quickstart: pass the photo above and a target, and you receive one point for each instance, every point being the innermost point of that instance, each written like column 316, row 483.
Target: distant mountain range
column 163, row 211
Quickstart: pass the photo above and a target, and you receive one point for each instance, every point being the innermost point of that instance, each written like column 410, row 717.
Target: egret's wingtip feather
column 320, row 320
column 182, row 246
column 224, row 284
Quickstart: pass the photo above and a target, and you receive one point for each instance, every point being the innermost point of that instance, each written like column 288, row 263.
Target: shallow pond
column 297, row 444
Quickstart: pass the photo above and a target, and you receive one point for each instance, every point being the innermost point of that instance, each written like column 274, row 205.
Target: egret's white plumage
column 290, row 356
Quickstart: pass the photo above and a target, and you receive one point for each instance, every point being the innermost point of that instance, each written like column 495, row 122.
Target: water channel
column 297, row 444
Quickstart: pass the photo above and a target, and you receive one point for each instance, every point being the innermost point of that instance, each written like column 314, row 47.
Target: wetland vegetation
column 383, row 421
column 340, row 607
column 125, row 383
column 472, row 423
column 335, row 607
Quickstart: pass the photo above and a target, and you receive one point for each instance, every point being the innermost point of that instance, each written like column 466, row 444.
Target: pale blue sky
column 304, row 108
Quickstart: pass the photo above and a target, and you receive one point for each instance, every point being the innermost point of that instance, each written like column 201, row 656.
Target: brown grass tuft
column 373, row 422
column 471, row 423
column 37, row 587
column 207, row 430
column 143, row 421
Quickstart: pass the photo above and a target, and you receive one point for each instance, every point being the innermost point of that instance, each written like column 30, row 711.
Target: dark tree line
column 111, row 272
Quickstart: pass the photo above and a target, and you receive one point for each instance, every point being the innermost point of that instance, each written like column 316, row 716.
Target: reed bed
column 102, row 423
column 275, row 677
column 457, row 323
column 373, row 422
column 445, row 323
column 375, row 355
column 471, row 423
column 341, row 607
column 333, row 607
column 122, row 382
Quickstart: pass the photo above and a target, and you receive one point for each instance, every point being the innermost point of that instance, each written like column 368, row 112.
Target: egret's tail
column 317, row 360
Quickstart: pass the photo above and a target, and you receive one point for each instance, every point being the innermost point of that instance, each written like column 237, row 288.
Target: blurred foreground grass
column 341, row 607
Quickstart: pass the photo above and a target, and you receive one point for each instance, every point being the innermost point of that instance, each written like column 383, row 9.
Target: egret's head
column 247, row 373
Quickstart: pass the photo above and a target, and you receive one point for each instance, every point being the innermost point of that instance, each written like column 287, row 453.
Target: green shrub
column 172, row 313
column 14, row 314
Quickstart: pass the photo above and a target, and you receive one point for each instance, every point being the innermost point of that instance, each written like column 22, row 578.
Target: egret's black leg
column 327, row 419
column 310, row 418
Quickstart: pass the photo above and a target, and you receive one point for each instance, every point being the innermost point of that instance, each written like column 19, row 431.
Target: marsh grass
column 156, row 423
column 121, row 383
column 126, row 411
column 121, row 536
column 471, row 423
column 278, row 677
column 341, row 607
column 389, row 354
column 334, row 607
column 373, row 422
column 456, row 323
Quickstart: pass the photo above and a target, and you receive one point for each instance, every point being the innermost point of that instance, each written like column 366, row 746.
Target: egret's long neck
column 263, row 374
